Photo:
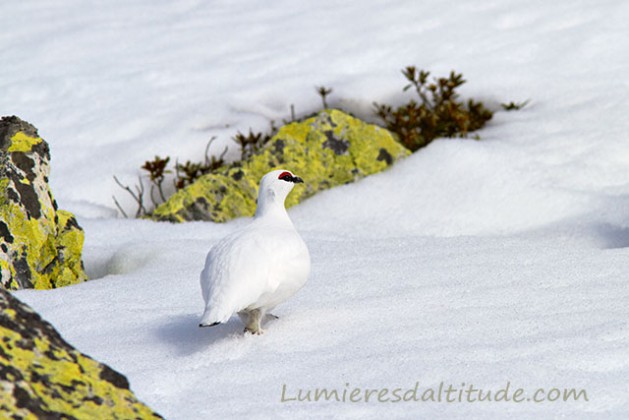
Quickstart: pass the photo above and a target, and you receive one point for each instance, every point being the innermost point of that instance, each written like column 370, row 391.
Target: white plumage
column 253, row 270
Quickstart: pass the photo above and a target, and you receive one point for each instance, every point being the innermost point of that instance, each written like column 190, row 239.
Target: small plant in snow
column 514, row 106
column 157, row 173
column 157, row 169
column 251, row 143
column 187, row 173
column 324, row 92
column 437, row 113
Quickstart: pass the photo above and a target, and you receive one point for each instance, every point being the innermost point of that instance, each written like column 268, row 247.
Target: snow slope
column 470, row 262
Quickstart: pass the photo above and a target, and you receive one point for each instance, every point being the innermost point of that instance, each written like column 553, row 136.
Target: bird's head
column 275, row 186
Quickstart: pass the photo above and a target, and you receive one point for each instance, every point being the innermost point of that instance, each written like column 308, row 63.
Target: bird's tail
column 214, row 316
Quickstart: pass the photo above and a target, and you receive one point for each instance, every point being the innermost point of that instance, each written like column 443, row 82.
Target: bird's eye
column 285, row 176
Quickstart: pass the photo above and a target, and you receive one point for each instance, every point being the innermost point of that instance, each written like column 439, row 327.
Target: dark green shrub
column 514, row 106
column 438, row 113
column 187, row 173
column 324, row 92
column 251, row 143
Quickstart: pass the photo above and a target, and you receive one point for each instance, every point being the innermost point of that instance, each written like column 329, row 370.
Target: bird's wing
column 236, row 273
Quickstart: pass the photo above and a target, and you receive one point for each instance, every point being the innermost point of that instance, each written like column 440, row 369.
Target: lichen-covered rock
column 327, row 150
column 40, row 246
column 44, row 377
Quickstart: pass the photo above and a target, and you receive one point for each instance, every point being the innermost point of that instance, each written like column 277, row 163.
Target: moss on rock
column 40, row 246
column 42, row 376
column 327, row 150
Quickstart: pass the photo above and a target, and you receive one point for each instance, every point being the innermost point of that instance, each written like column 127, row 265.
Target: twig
column 138, row 196
column 220, row 158
column 176, row 180
column 120, row 207
column 161, row 192
column 153, row 200
column 207, row 150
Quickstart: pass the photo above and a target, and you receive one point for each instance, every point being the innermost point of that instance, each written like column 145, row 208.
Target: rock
column 327, row 150
column 42, row 376
column 40, row 246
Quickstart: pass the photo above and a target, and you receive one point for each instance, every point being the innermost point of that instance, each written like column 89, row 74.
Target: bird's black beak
column 297, row 180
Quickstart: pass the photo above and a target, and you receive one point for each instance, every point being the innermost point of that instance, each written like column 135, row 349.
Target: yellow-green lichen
column 69, row 244
column 35, row 243
column 4, row 200
column 327, row 150
column 22, row 142
column 52, row 252
column 38, row 366
column 6, row 269
column 220, row 195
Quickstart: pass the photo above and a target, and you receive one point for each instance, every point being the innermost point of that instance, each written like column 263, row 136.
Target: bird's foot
column 271, row 316
column 254, row 331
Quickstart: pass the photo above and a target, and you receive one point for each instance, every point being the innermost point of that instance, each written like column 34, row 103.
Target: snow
column 476, row 262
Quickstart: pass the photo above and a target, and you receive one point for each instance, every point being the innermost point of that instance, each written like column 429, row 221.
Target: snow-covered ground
column 483, row 263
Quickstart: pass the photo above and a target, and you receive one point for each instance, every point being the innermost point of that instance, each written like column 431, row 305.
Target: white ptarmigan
column 253, row 270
